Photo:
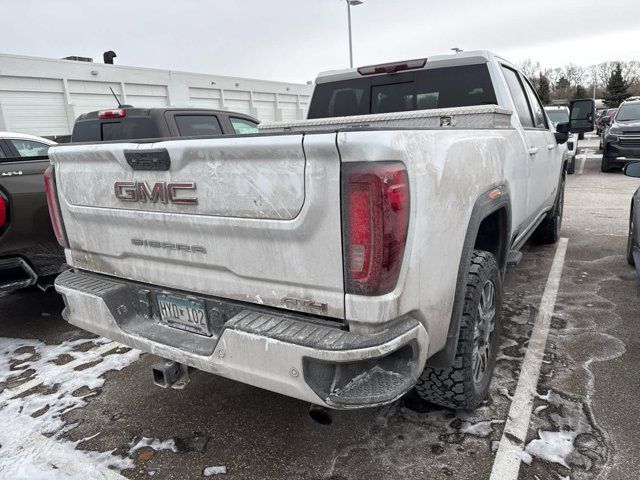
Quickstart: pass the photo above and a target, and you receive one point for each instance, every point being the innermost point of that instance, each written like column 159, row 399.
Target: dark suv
column 129, row 123
column 29, row 252
column 621, row 140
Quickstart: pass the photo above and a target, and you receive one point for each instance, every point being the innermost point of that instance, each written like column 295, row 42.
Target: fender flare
column 484, row 206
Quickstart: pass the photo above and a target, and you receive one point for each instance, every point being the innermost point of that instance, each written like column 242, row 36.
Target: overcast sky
column 292, row 40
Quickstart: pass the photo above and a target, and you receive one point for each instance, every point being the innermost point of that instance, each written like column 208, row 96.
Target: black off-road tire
column 571, row 168
column 548, row 232
column 630, row 258
column 606, row 165
column 455, row 387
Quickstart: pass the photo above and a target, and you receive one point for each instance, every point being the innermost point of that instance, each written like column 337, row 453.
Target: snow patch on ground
column 552, row 446
column 479, row 429
column 154, row 444
column 211, row 471
column 33, row 425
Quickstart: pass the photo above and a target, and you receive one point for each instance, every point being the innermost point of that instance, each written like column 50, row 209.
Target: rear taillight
column 54, row 207
column 4, row 212
column 375, row 217
column 114, row 113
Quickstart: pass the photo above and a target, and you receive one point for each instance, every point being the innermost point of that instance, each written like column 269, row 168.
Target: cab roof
column 437, row 61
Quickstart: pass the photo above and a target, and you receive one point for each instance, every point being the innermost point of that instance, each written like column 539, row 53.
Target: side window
column 243, row 127
column 536, row 106
column 29, row 148
column 519, row 97
column 195, row 125
column 2, row 154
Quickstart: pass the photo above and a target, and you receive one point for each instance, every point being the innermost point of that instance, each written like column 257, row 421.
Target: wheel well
column 492, row 236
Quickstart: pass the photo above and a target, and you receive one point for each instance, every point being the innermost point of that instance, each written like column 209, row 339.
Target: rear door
column 22, row 163
column 255, row 218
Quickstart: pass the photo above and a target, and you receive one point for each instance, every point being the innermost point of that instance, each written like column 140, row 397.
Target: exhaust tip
column 320, row 415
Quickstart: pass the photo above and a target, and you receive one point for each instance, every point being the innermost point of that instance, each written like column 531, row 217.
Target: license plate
column 183, row 313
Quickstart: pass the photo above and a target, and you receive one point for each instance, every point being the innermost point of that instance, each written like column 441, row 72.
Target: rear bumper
column 304, row 357
column 15, row 274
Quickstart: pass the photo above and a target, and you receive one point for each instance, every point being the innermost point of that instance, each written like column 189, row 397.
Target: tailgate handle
column 156, row 159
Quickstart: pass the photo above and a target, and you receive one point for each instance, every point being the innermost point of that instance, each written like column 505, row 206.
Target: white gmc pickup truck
column 343, row 260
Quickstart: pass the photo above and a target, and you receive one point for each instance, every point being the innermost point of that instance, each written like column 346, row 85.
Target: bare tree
column 565, row 80
column 530, row 69
column 574, row 73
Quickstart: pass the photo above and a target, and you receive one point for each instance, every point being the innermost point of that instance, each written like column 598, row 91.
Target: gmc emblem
column 160, row 192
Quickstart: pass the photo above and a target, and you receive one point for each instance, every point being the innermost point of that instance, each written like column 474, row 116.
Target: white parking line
column 583, row 160
column 507, row 462
column 10, row 393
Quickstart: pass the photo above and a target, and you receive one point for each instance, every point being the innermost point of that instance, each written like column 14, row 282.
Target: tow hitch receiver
column 170, row 374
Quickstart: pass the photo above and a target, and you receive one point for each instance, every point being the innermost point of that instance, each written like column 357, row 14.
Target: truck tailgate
column 254, row 219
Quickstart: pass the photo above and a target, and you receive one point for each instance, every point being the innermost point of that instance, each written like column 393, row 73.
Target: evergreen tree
column 580, row 92
column 544, row 90
column 617, row 88
column 562, row 89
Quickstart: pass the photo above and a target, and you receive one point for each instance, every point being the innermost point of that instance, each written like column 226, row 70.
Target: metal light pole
column 349, row 4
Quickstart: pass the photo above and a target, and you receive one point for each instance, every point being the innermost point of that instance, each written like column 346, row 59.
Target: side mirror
column 582, row 115
column 632, row 169
column 562, row 133
column 606, row 120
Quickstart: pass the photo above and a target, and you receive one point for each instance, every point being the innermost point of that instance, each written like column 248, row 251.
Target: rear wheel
column 548, row 231
column 571, row 168
column 466, row 383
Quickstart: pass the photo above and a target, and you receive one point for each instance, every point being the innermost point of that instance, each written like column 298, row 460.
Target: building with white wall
column 43, row 96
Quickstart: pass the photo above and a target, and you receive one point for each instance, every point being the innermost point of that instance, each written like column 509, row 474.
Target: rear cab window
column 128, row 128
column 197, row 125
column 446, row 87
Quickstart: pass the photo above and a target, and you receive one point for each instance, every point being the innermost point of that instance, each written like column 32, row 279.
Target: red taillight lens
column 375, row 219
column 114, row 113
column 4, row 211
column 54, row 207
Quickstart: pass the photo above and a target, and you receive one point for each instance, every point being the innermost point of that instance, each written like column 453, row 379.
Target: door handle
column 533, row 151
column 551, row 147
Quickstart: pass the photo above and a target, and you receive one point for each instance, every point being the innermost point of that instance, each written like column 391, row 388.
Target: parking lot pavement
column 92, row 411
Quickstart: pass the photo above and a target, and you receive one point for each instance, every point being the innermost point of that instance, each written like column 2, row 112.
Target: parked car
column 129, row 123
column 342, row 260
column 599, row 116
column 633, row 244
column 559, row 115
column 605, row 122
column 29, row 252
column 621, row 138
